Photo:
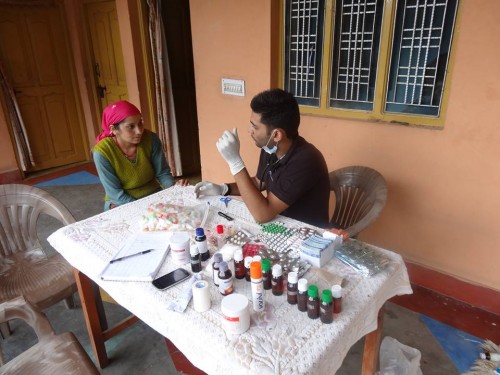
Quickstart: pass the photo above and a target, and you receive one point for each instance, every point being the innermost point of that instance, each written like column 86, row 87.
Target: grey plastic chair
column 24, row 267
column 52, row 354
column 360, row 196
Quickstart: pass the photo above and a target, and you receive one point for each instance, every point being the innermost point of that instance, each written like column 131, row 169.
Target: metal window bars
column 303, row 48
column 419, row 60
column 355, row 53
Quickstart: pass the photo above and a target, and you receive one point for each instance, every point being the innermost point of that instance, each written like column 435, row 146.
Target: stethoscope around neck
column 270, row 164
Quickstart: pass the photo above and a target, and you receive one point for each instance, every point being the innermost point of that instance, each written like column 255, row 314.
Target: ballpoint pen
column 131, row 255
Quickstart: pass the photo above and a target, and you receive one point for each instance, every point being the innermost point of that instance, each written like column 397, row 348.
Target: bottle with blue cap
column 201, row 242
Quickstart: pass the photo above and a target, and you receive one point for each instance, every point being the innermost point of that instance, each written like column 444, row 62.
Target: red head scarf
column 115, row 113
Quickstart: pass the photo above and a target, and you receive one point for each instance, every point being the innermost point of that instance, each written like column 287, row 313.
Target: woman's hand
column 183, row 182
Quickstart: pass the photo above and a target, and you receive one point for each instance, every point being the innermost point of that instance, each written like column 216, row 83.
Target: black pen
column 225, row 216
column 131, row 255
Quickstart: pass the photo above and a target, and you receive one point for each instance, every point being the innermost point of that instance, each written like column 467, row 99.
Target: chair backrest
column 360, row 196
column 20, row 209
column 53, row 354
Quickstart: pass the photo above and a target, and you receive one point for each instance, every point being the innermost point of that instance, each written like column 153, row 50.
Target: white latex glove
column 208, row 188
column 229, row 147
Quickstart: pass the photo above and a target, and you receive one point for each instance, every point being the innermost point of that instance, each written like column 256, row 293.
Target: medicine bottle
column 239, row 265
column 312, row 302
column 201, row 242
column 302, row 294
column 215, row 267
column 337, row 299
column 195, row 259
column 266, row 273
column 326, row 307
column 225, row 279
column 256, row 258
column 257, row 286
column 277, row 280
column 291, row 288
column 221, row 239
column 247, row 262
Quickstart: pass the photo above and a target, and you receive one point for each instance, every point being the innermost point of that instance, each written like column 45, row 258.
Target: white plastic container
column 235, row 314
column 179, row 247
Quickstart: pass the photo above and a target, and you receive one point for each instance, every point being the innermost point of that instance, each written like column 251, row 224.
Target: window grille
column 355, row 53
column 304, row 49
column 423, row 31
column 380, row 59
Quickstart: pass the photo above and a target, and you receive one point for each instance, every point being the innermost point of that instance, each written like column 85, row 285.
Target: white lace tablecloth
column 281, row 340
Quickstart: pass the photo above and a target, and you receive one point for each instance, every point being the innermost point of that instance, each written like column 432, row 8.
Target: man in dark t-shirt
column 292, row 171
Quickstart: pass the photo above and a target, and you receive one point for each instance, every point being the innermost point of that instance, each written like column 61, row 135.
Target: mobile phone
column 171, row 278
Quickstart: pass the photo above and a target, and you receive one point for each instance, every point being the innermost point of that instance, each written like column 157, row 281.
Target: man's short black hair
column 278, row 109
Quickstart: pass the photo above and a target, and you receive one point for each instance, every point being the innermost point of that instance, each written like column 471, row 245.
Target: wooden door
column 106, row 52
column 36, row 56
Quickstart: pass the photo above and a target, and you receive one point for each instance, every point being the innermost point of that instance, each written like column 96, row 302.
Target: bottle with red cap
column 257, row 286
column 221, row 240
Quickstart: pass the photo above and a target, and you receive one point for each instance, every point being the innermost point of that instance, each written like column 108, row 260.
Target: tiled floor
column 443, row 329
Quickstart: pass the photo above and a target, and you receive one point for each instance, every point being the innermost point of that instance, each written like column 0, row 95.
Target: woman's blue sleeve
column 160, row 165
column 112, row 185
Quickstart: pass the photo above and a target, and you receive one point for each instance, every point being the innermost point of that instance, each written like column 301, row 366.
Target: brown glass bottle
column 277, row 280
column 266, row 274
column 291, row 288
column 302, row 294
column 215, row 267
column 326, row 307
column 239, row 265
column 313, row 302
column 337, row 299
column 225, row 279
column 247, row 262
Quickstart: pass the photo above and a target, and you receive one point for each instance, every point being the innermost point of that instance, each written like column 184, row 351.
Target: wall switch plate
column 233, row 87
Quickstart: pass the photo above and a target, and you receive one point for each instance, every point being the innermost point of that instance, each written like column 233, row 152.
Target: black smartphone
column 171, row 278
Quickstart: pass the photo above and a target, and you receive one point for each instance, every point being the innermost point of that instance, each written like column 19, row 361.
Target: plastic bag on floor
column 398, row 359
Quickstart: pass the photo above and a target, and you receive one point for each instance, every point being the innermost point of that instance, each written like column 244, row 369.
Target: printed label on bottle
column 258, row 295
column 226, row 286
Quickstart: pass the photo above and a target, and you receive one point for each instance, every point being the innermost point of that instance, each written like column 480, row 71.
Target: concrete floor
column 141, row 350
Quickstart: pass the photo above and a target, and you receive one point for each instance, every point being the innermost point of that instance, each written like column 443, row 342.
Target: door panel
column 107, row 53
column 37, row 61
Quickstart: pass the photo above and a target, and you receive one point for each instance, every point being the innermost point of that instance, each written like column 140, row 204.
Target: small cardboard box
column 318, row 251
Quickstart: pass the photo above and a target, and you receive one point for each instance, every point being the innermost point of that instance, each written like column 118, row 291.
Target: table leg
column 92, row 317
column 372, row 347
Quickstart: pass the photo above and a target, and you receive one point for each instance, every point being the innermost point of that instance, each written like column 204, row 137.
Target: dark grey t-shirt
column 300, row 180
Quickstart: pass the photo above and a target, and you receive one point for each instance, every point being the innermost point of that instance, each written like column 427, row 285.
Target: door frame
column 75, row 83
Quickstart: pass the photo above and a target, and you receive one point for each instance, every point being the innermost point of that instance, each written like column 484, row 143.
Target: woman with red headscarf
column 129, row 159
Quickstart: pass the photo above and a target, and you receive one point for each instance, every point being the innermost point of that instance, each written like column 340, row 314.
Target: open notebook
column 137, row 266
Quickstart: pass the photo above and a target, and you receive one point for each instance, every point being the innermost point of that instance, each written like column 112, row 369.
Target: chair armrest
column 22, row 309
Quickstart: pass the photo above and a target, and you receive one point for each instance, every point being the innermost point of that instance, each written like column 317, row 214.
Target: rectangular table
column 280, row 340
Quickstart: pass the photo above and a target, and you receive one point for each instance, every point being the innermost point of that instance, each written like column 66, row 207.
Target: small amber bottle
column 239, row 265
column 266, row 274
column 302, row 294
column 337, row 299
column 215, row 267
column 313, row 302
column 326, row 307
column 291, row 288
column 277, row 281
column 247, row 262
column 225, row 279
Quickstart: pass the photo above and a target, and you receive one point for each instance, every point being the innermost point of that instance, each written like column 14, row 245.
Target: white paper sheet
column 140, row 267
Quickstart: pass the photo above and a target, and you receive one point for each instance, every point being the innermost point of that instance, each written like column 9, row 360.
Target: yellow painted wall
column 443, row 205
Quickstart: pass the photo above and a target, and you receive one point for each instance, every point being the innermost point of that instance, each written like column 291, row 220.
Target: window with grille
column 374, row 59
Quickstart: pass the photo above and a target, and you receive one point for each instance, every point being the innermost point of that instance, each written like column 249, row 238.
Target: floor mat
column 462, row 348
column 79, row 178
